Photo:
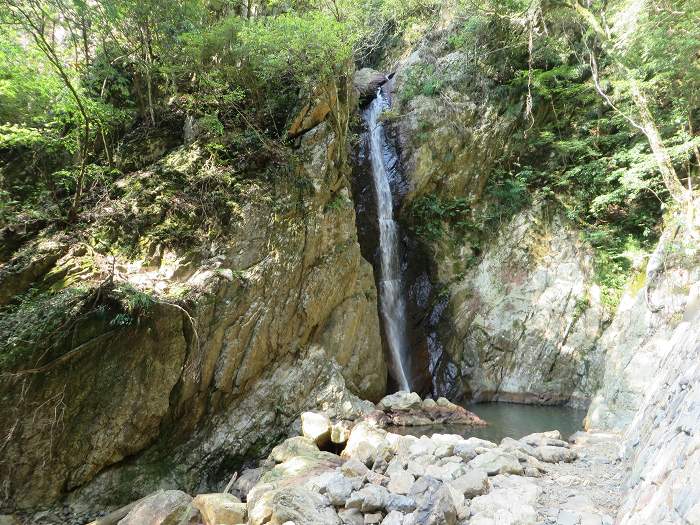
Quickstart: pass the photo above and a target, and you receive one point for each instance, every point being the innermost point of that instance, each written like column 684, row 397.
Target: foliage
column 421, row 79
column 35, row 318
column 429, row 215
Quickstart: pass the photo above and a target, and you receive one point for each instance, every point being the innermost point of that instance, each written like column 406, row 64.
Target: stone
column 395, row 466
column 220, row 509
column 393, row 518
column 445, row 472
column 369, row 498
column 166, row 507
column 464, row 449
column 376, row 478
column 363, row 443
column 497, row 462
column 353, row 468
column 340, row 432
column 400, row 482
column 473, row 483
column 434, row 504
column 294, row 446
column 373, row 519
column 423, row 447
column 246, row 481
column 338, row 489
column 554, row 454
column 428, row 404
column 316, row 426
column 480, row 443
column 443, row 402
column 295, row 504
column 442, row 451
column 400, row 400
column 550, row 438
column 509, row 445
column 568, row 517
column 513, row 502
column 351, row 517
column 399, row 503
column 7, row 519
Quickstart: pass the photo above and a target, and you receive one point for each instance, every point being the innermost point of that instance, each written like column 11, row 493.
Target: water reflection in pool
column 509, row 420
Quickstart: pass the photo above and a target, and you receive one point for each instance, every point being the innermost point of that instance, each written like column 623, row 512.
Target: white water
column 391, row 301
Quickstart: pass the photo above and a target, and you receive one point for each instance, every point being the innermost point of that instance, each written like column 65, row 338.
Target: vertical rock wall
column 525, row 320
column 284, row 318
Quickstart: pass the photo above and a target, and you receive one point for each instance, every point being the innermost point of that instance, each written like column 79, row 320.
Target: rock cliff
column 525, row 320
column 281, row 316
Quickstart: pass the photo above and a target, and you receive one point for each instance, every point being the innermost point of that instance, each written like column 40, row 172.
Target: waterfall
column 392, row 304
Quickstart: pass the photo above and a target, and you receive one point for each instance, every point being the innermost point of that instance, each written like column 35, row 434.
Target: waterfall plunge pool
column 508, row 420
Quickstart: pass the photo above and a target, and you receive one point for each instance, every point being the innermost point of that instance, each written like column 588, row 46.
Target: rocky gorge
column 255, row 379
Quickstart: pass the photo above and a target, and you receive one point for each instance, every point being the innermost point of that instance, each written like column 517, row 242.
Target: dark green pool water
column 509, row 420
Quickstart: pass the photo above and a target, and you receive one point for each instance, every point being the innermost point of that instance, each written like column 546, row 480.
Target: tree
column 39, row 19
column 617, row 44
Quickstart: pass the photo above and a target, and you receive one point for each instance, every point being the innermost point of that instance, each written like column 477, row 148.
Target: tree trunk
column 663, row 159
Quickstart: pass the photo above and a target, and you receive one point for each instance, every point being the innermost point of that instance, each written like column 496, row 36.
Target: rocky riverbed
column 355, row 473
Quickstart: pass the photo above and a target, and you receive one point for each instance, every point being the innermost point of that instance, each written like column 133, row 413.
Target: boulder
column 428, row 404
column 434, row 504
column 393, row 518
column 400, row 482
column 220, row 509
column 165, row 507
column 292, row 447
column 374, row 518
column 423, row 447
column 296, row 504
column 340, row 432
column 510, row 445
column 554, row 454
column 316, row 426
column 480, row 443
column 497, row 462
column 473, row 483
column 338, row 489
column 465, row 450
column 370, row 498
column 353, row 468
column 400, row 400
column 396, row 502
column 540, row 439
column 512, row 502
column 246, row 481
column 363, row 443
column 366, row 81
column 351, row 517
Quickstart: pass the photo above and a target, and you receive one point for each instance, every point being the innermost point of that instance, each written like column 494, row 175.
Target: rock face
column 284, row 320
column 637, row 340
column 652, row 366
column 662, row 441
column 522, row 324
column 448, row 142
column 526, row 319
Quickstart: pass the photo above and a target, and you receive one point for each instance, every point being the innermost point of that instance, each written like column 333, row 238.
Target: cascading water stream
column 392, row 304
